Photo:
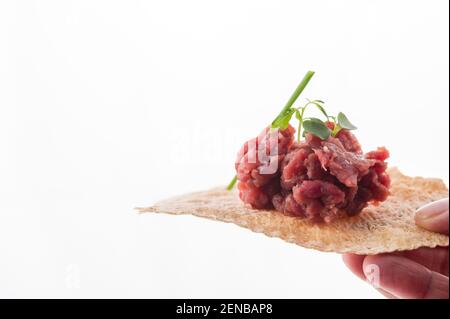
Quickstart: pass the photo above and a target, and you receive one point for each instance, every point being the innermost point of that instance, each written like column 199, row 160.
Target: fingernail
column 372, row 273
column 432, row 211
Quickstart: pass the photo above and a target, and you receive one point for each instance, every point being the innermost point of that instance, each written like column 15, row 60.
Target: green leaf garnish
column 317, row 128
column 344, row 122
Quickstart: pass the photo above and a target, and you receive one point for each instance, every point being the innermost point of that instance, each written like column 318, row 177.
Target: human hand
column 420, row 273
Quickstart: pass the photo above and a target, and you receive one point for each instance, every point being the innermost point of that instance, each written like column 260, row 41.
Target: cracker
column 377, row 229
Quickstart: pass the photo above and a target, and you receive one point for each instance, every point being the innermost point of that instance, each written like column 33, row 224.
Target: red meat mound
column 314, row 179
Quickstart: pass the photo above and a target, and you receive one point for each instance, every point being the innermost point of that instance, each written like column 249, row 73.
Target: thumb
column 434, row 216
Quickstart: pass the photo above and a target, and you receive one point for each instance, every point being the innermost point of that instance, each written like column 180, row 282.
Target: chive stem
column 297, row 92
column 232, row 183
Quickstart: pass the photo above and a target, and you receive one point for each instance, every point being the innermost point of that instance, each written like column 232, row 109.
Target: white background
column 108, row 105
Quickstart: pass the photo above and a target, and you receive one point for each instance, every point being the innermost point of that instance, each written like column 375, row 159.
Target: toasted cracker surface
column 378, row 229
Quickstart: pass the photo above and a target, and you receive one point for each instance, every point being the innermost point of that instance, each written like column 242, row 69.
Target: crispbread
column 378, row 229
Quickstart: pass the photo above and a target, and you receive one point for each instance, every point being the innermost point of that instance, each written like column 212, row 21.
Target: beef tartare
column 315, row 179
column 322, row 177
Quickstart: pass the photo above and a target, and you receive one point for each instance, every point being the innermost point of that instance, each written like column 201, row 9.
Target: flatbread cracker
column 377, row 229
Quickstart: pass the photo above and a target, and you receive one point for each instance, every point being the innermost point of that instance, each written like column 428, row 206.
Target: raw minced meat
column 320, row 180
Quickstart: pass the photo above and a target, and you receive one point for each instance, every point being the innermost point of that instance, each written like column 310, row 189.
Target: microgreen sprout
column 319, row 128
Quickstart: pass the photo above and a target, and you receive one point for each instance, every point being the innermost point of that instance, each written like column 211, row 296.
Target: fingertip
column 355, row 264
column 434, row 216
